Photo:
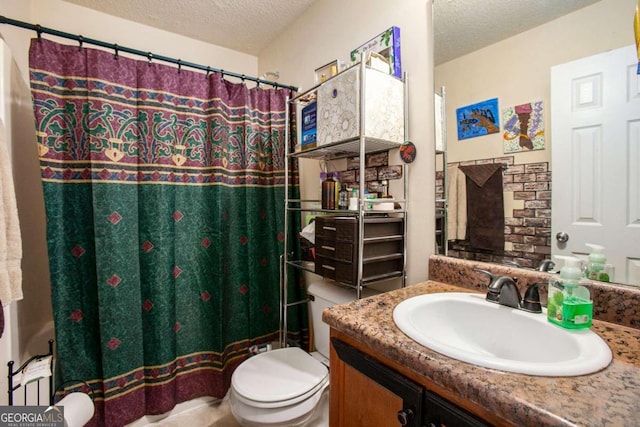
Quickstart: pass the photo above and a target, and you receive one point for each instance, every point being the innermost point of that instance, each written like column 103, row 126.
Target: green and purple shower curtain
column 164, row 195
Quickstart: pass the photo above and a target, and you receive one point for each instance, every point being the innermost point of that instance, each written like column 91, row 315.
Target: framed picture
column 326, row 71
column 478, row 119
column 523, row 127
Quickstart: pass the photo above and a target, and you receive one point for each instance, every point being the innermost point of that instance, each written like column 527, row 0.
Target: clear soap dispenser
column 597, row 264
column 568, row 302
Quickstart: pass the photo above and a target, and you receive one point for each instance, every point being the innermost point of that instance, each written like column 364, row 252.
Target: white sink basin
column 464, row 326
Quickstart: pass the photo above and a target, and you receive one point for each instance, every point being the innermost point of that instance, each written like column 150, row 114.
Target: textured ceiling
column 242, row 25
column 460, row 26
column 463, row 26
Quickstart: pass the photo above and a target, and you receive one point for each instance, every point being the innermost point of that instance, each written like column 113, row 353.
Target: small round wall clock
column 408, row 152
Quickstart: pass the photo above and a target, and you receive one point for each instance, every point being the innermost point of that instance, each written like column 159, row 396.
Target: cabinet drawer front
column 336, row 229
column 325, row 228
column 388, row 227
column 383, row 267
column 325, row 267
column 376, row 249
column 339, row 271
column 334, row 249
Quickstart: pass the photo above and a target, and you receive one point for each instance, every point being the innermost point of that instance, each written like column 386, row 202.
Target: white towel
column 456, row 204
column 10, row 240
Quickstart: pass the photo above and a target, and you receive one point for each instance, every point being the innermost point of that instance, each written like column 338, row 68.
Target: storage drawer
column 346, row 272
column 371, row 270
column 379, row 227
column 334, row 249
column 339, row 271
column 337, row 248
column 336, row 228
column 383, row 247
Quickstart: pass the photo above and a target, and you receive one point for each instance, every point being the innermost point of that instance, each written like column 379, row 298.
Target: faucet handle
column 488, row 273
column 531, row 300
column 493, row 294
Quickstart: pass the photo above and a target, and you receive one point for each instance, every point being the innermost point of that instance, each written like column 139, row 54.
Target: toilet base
column 317, row 414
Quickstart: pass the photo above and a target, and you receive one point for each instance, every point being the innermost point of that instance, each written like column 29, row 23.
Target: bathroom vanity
column 384, row 378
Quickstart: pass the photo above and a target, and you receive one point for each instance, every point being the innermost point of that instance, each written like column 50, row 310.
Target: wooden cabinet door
column 365, row 392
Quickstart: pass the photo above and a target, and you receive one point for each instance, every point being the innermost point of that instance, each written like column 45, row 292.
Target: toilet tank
column 327, row 294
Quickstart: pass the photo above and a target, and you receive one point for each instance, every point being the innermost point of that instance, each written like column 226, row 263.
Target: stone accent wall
column 527, row 229
column 377, row 169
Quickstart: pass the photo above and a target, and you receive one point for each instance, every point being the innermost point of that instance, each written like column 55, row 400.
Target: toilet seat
column 278, row 378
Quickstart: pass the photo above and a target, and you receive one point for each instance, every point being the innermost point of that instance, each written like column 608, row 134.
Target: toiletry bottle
column 353, row 200
column 369, row 197
column 568, row 302
column 343, row 197
column 329, row 192
column 336, row 183
column 596, row 267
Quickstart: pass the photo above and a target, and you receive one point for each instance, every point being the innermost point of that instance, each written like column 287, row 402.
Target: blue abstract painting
column 478, row 119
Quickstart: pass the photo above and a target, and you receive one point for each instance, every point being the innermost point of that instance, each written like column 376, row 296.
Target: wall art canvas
column 478, row 119
column 523, row 127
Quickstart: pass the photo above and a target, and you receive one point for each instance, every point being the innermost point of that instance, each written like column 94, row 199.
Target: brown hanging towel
column 485, row 206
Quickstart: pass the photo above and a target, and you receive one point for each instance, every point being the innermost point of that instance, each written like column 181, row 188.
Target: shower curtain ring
column 208, row 71
column 115, row 48
column 149, row 58
column 39, row 32
column 179, row 65
column 80, row 41
column 242, row 78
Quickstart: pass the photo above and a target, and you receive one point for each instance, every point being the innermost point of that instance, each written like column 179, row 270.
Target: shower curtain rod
column 150, row 56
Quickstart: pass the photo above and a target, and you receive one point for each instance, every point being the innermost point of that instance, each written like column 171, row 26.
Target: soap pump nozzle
column 572, row 268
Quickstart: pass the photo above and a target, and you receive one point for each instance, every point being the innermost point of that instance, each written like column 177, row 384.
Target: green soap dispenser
column 568, row 302
column 597, row 261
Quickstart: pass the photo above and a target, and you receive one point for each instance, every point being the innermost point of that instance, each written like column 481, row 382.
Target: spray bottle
column 569, row 303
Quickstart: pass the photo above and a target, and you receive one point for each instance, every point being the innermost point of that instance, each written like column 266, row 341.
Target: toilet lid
column 278, row 376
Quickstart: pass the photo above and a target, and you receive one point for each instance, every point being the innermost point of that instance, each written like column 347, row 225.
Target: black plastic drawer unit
column 337, row 248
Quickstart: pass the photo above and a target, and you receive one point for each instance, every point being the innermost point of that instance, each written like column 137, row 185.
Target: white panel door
column 595, row 139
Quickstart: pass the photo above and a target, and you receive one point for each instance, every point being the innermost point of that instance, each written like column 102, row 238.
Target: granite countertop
column 605, row 398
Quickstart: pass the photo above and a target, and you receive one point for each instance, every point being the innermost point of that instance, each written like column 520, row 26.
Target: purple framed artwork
column 523, row 127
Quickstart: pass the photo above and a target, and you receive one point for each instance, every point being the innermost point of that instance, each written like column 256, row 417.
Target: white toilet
column 287, row 386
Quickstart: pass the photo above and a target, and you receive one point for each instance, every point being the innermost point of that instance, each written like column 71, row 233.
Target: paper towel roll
column 78, row 409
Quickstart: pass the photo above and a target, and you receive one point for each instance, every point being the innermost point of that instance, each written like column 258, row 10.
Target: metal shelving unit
column 441, row 153
column 358, row 146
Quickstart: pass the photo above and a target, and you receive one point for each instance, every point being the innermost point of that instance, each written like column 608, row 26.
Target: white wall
column 517, row 70
column 34, row 312
column 329, row 30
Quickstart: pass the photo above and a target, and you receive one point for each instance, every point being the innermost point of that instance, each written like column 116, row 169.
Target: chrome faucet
column 511, row 263
column 546, row 265
column 504, row 290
